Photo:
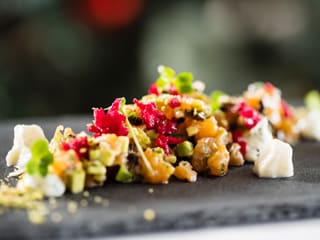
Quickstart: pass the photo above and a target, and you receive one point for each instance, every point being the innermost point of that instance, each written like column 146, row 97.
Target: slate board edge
column 187, row 221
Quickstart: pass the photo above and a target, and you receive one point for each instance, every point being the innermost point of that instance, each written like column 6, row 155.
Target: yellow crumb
column 86, row 194
column 97, row 199
column 72, row 207
column 84, row 202
column 149, row 214
column 105, row 202
column 36, row 216
column 53, row 202
column 56, row 217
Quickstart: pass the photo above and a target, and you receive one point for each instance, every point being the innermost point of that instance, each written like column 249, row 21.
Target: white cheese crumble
column 257, row 139
column 275, row 160
column 51, row 185
column 309, row 124
column 24, row 137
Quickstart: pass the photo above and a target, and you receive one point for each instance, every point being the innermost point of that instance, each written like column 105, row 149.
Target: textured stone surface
column 238, row 198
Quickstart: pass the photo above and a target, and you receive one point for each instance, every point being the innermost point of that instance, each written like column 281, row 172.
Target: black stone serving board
column 238, row 198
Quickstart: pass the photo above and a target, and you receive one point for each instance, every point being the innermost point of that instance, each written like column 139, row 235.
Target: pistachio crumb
column 150, row 190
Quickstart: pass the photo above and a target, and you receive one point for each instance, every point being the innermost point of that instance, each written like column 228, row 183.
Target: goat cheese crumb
column 24, row 137
column 275, row 160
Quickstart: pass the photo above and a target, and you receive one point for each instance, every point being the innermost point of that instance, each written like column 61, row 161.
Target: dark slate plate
column 238, row 198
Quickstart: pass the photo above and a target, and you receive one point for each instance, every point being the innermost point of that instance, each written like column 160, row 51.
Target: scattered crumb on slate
column 97, row 199
column 72, row 207
column 105, row 203
column 56, row 217
column 149, row 214
column 86, row 194
column 84, row 202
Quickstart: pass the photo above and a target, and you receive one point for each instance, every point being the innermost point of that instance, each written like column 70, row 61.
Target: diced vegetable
column 206, row 128
column 184, row 172
column 76, row 181
column 218, row 162
column 184, row 149
column 123, row 175
column 236, row 158
column 96, row 168
column 161, row 170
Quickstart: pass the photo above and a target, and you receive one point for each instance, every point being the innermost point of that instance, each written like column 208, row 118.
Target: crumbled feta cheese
column 24, row 137
column 275, row 160
column 309, row 125
column 257, row 139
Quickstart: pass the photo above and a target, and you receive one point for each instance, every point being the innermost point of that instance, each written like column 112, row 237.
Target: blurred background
column 64, row 56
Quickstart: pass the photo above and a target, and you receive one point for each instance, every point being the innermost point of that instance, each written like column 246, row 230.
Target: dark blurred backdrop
column 64, row 57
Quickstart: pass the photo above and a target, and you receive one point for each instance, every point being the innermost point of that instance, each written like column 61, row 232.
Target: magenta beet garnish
column 111, row 122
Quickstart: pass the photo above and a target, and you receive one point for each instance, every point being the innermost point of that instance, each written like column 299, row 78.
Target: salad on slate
column 174, row 131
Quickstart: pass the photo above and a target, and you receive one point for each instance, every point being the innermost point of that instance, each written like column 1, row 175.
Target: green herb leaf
column 44, row 162
column 41, row 158
column 122, row 105
column 31, row 167
column 183, row 82
column 215, row 100
column 312, row 100
column 39, row 149
column 166, row 74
